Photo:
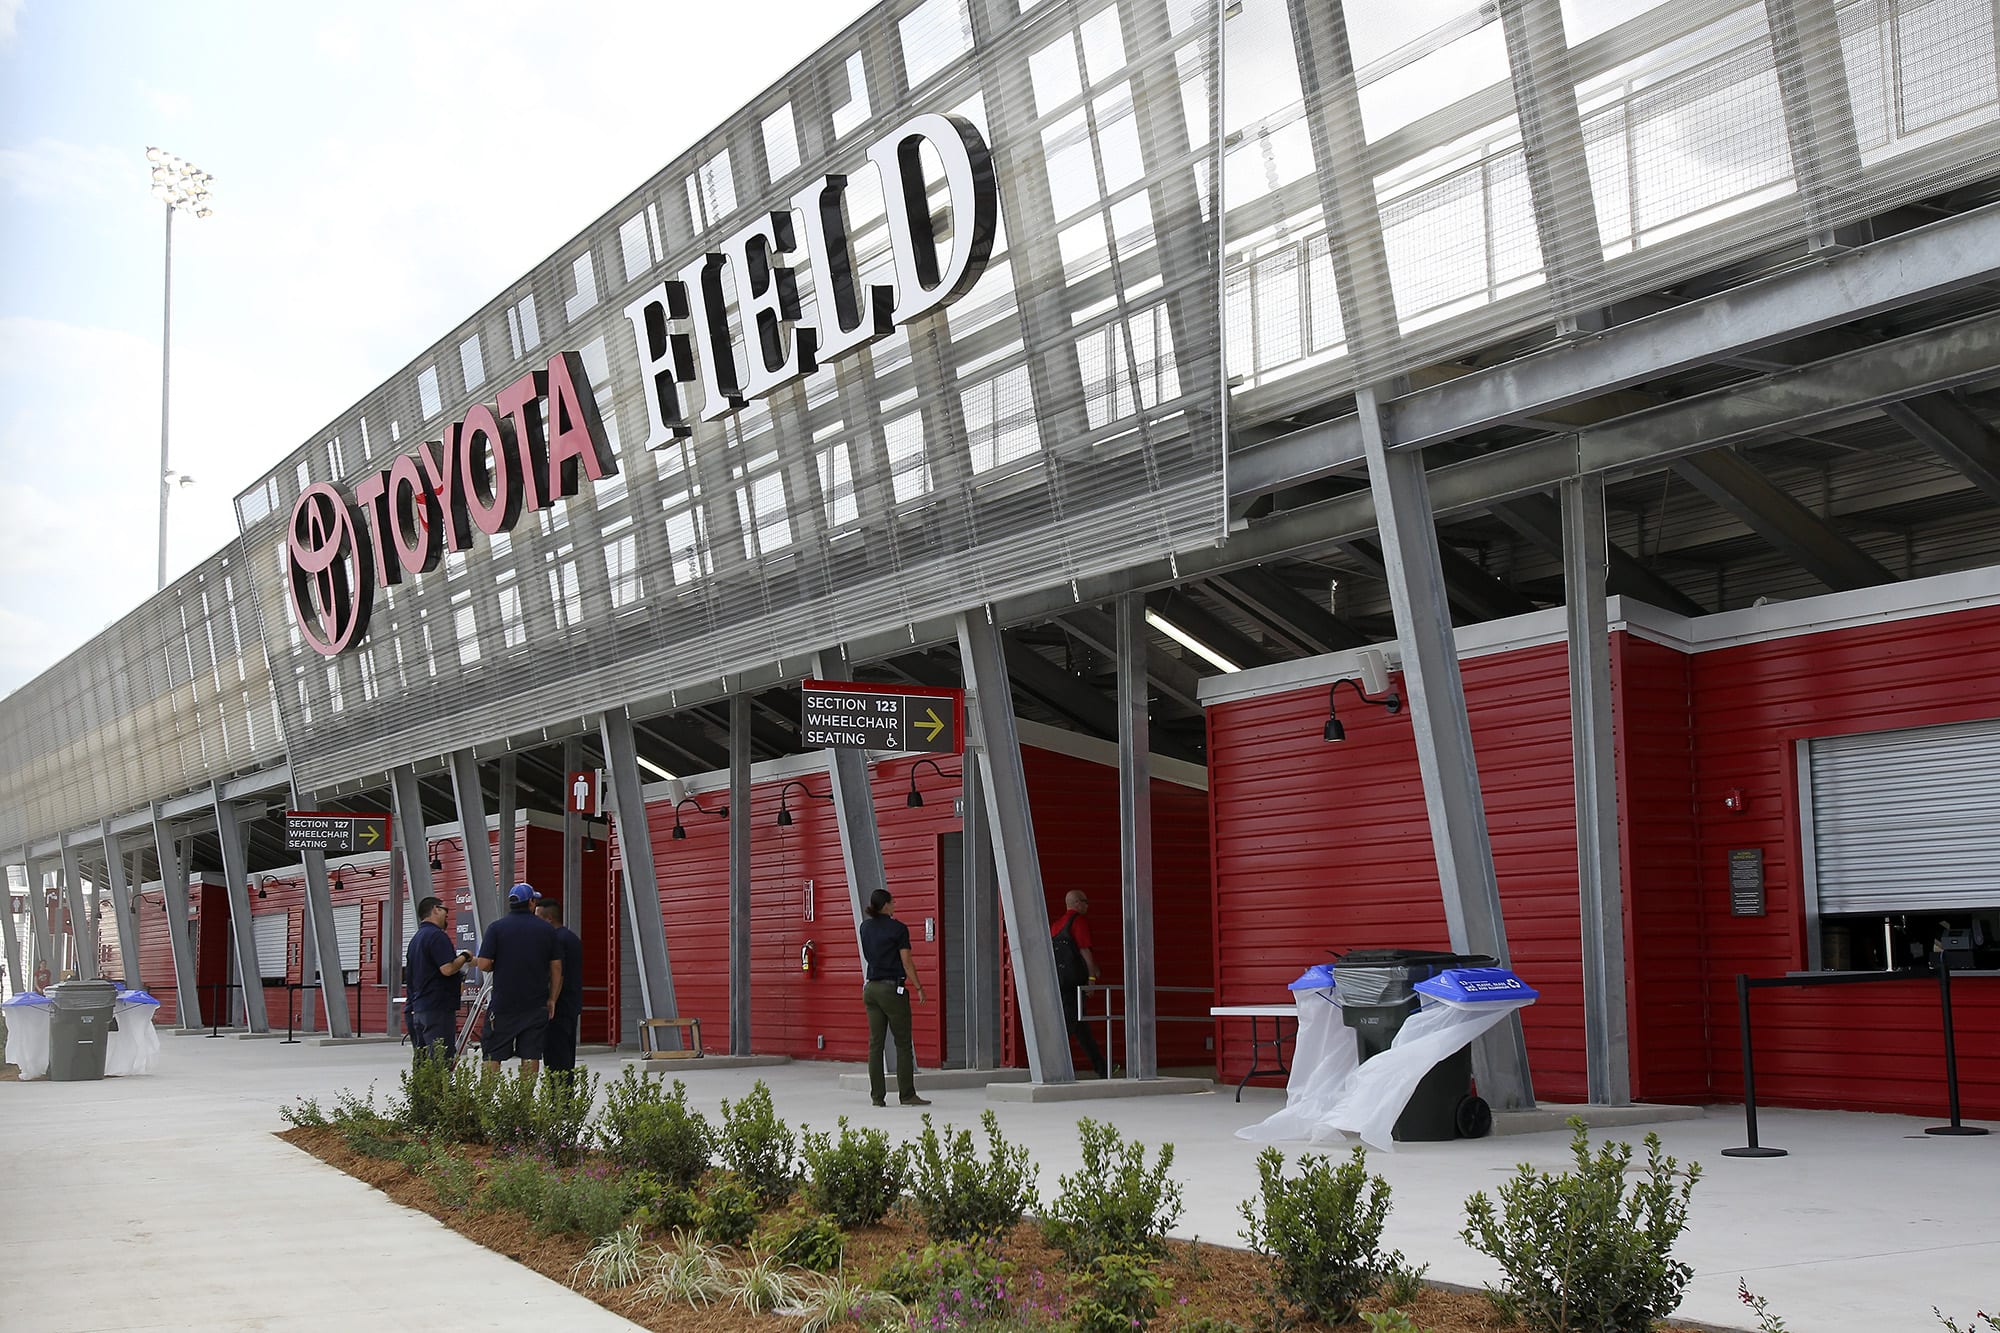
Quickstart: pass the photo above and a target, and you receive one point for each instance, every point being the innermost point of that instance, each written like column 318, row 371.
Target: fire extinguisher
column 809, row 958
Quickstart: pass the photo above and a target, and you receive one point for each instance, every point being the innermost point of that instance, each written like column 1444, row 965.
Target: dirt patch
column 1216, row 1281
column 10, row 1074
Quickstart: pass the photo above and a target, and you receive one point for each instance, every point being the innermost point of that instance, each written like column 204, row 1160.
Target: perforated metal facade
column 1406, row 186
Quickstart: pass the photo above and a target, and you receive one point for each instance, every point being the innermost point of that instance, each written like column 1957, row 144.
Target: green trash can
column 80, row 1025
column 1376, row 989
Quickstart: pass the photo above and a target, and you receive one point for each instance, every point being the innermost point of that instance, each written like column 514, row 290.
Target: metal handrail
column 1111, row 1019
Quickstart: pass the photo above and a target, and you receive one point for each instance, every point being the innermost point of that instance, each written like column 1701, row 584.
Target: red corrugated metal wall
column 791, row 1010
column 156, row 957
column 1866, row 1048
column 1666, row 1005
column 1075, row 806
column 1076, row 822
column 1324, row 846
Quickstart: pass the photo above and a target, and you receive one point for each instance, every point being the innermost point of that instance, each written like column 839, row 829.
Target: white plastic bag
column 28, row 1036
column 135, row 1046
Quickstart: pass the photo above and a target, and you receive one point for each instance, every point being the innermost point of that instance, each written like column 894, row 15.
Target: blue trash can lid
column 29, row 997
column 1317, row 977
column 1478, row 985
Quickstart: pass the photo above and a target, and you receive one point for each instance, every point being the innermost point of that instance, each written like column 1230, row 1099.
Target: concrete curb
column 938, row 1080
column 1097, row 1089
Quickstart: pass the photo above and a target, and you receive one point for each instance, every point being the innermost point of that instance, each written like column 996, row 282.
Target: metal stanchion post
column 291, row 1014
column 1753, row 1149
column 215, row 1008
column 1955, row 1129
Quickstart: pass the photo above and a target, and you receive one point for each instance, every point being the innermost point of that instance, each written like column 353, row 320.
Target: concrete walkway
column 164, row 1202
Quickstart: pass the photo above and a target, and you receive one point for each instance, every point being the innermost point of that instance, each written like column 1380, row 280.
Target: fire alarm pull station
column 1732, row 801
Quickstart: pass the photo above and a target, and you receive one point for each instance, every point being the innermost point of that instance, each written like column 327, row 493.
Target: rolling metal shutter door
column 410, row 924
column 347, row 931
column 271, row 933
column 1907, row 820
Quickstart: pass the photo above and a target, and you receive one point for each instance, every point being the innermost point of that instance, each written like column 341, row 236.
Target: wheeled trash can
column 1376, row 989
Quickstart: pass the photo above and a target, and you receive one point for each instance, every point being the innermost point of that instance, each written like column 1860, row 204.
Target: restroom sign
column 584, row 791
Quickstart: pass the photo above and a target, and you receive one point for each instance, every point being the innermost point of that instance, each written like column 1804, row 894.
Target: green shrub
column 727, row 1214
column 616, row 1261
column 1577, row 1251
column 760, row 1148
column 1124, row 1293
column 1400, row 1282
column 454, row 1178
column 559, row 1113
column 305, row 1115
column 815, row 1243
column 441, row 1098
column 1114, row 1204
column 959, row 1197
column 644, row 1127
column 767, row 1284
column 1322, row 1231
column 519, row 1183
column 506, row 1109
column 967, row 1278
column 591, row 1202
column 855, row 1179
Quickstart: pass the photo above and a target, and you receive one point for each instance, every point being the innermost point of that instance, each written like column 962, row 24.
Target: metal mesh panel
column 1492, row 173
column 1059, row 420
column 170, row 698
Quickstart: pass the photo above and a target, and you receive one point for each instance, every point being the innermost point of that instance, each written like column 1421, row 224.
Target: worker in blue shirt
column 432, row 972
column 559, row 1050
column 520, row 951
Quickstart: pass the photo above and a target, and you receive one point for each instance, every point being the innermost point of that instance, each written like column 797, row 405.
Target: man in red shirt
column 1076, row 966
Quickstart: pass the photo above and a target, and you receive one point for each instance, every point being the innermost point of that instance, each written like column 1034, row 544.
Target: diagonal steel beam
column 1539, row 519
column 1729, row 479
column 1183, row 607
column 1943, row 422
column 1467, row 587
column 1171, row 677
column 1286, row 612
column 1949, row 255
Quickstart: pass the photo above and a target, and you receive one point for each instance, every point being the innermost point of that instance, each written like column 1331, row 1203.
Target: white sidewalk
column 165, row 1203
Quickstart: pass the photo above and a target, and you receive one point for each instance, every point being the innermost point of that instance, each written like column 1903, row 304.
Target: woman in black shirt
column 885, row 953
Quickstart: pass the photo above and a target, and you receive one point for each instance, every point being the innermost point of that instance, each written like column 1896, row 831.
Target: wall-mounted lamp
column 1334, row 731
column 263, row 886
column 916, row 798
column 785, row 810
column 680, row 832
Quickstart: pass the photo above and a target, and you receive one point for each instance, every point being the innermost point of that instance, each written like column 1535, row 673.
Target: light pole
column 183, row 187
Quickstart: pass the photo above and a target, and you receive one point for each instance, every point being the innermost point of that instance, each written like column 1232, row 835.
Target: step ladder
column 469, row 1045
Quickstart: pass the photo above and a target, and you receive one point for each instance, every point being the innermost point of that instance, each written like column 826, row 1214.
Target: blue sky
column 347, row 142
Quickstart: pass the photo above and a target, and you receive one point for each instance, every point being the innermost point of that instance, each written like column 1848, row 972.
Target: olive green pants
column 889, row 1009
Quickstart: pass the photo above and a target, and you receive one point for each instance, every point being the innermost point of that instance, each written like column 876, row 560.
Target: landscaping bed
column 677, row 1224
column 1220, row 1282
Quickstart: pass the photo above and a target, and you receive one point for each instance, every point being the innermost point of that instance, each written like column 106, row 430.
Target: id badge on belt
column 899, row 990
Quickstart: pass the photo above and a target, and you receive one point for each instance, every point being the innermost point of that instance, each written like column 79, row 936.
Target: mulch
column 1217, row 1281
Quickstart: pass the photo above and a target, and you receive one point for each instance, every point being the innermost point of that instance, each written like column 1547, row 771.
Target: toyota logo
column 333, row 576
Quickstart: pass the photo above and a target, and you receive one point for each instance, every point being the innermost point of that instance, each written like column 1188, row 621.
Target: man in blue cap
column 520, row 951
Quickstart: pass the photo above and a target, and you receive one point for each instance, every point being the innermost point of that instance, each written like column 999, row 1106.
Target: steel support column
column 1022, row 900
column 16, row 978
column 740, row 822
column 399, row 903
column 978, row 1004
column 42, row 922
column 407, row 800
column 510, row 797
column 82, row 927
column 174, row 900
column 1135, row 841
column 572, row 835
column 235, row 840
column 854, row 813
column 1594, row 760
column 635, row 850
column 1819, row 116
column 121, row 905
column 478, row 850
column 326, row 943
column 1558, row 171
column 1402, row 503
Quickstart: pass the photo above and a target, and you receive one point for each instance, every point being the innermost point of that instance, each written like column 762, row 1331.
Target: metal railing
column 1112, row 1019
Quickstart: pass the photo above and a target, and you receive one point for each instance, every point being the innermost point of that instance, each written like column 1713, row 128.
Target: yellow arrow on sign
column 370, row 834
column 933, row 722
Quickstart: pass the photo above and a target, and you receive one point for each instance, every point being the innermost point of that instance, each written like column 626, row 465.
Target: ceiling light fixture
column 656, row 770
column 1189, row 641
